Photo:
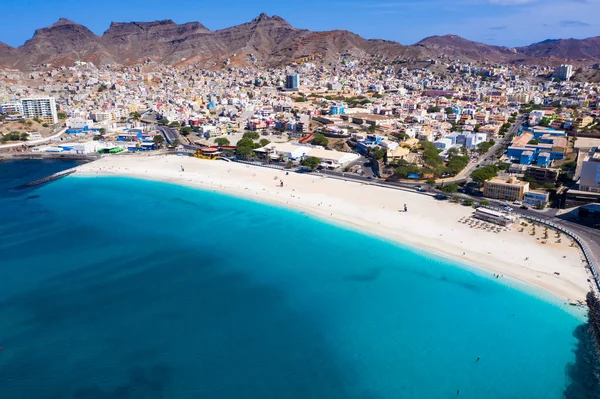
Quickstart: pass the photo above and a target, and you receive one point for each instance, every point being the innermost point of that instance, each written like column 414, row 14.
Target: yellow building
column 583, row 121
column 510, row 189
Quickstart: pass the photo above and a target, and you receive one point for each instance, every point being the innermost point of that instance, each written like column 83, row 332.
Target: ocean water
column 122, row 288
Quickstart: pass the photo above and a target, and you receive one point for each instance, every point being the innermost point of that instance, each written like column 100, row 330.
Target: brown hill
column 62, row 43
column 452, row 46
column 162, row 41
column 564, row 49
column 6, row 52
column 270, row 40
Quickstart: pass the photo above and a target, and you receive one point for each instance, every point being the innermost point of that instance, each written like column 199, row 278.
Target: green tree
column 430, row 182
column 450, row 188
column 245, row 148
column 401, row 136
column 484, row 147
column 222, row 141
column 135, row 115
column 311, row 162
column 456, row 164
column 484, row 173
column 468, row 202
column 174, row 124
column 61, row 115
column 372, row 129
column 176, row 143
column 404, row 170
column 378, row 153
column 24, row 136
column 431, row 155
column 264, row 142
column 185, row 131
column 163, row 122
column 431, row 110
column 158, row 139
column 251, row 135
column 484, row 203
column 319, row 139
column 244, row 152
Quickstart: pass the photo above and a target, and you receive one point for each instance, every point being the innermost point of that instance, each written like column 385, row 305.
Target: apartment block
column 43, row 108
column 510, row 189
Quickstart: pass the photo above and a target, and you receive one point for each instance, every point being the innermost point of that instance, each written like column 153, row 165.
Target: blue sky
column 499, row 22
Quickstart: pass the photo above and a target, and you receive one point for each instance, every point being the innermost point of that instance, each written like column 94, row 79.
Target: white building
column 43, row 108
column 564, row 72
column 77, row 123
column 101, row 116
column 590, row 173
column 443, row 144
column 11, row 108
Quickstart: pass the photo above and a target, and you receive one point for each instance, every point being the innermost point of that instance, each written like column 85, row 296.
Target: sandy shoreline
column 428, row 225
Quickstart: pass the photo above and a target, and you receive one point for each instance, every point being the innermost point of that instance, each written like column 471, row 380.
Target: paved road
column 488, row 157
column 33, row 142
column 172, row 134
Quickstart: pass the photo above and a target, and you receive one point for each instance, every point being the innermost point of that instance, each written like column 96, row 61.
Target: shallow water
column 122, row 288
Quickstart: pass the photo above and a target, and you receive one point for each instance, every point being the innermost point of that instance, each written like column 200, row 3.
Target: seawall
column 16, row 156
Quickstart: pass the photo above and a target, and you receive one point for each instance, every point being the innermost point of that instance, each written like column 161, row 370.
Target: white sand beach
column 429, row 224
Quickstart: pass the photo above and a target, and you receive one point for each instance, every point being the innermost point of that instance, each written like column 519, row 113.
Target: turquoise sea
column 122, row 288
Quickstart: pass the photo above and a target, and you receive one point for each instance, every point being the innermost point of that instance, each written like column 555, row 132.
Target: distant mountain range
column 268, row 41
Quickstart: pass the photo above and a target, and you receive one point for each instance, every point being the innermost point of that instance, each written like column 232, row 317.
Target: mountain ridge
column 266, row 40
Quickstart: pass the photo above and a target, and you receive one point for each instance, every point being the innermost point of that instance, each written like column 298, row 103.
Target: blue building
column 544, row 159
column 337, row 110
column 365, row 145
column 526, row 158
column 292, row 82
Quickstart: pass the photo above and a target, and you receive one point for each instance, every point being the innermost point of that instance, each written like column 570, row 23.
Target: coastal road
column 33, row 142
column 172, row 134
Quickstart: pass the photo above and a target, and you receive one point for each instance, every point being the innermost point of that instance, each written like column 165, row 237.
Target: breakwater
column 48, row 179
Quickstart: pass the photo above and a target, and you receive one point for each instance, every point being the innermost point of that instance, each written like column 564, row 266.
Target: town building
column 11, row 108
column 510, row 189
column 590, row 172
column 292, row 82
column 564, row 72
column 491, row 216
column 43, row 108
column 536, row 199
column 541, row 175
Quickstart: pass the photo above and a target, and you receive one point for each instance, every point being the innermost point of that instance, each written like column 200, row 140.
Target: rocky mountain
column 61, row 43
column 268, row 41
column 452, row 46
column 162, row 41
column 5, row 52
column 564, row 49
